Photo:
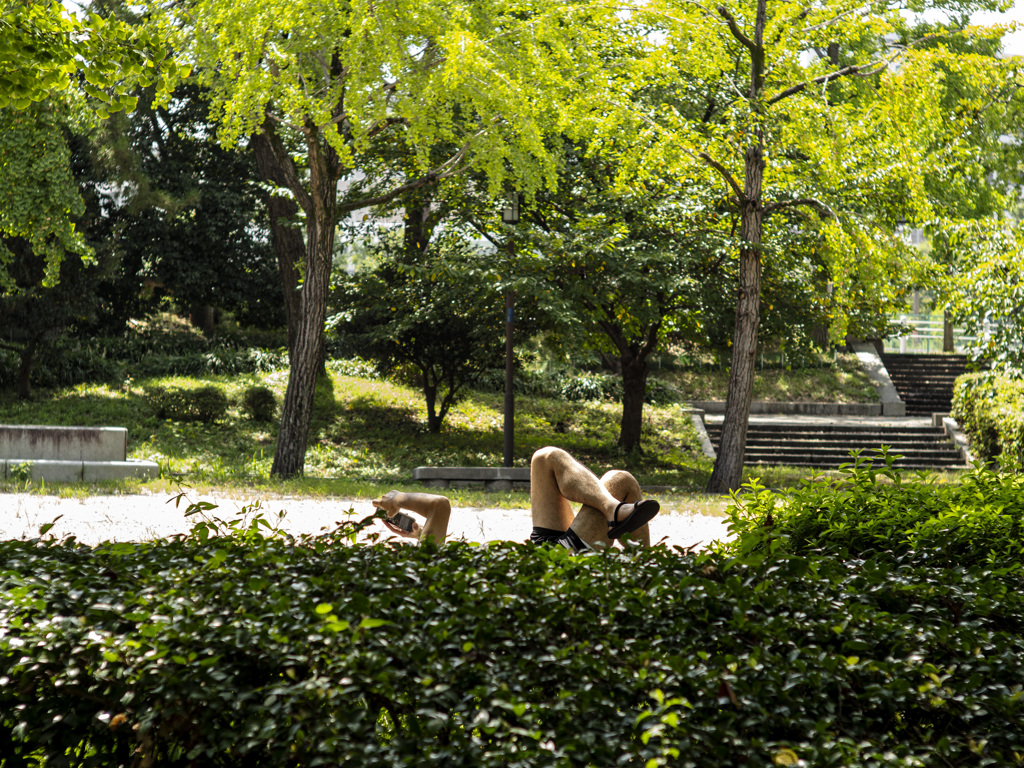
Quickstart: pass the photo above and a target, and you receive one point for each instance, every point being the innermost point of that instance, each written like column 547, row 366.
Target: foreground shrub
column 990, row 409
column 259, row 403
column 245, row 650
column 206, row 404
column 875, row 510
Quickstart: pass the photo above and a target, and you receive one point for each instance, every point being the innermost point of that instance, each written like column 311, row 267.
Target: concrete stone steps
column 925, row 382
column 828, row 445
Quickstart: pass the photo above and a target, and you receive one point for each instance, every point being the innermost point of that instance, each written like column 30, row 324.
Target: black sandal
column 643, row 512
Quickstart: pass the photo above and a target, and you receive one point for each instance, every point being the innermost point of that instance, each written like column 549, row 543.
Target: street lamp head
column 510, row 214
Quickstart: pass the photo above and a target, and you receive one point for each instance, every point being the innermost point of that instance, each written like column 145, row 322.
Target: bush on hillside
column 206, row 403
column 249, row 649
column 259, row 403
column 875, row 511
column 989, row 407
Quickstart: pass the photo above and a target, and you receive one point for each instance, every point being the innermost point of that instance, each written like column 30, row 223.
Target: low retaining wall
column 63, row 443
column 54, row 471
column 490, row 478
column 68, row 454
column 803, row 409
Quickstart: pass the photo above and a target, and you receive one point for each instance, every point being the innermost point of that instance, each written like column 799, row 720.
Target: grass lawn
column 368, row 435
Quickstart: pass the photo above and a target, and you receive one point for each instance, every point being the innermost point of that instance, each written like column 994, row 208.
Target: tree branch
column 808, row 202
column 735, row 28
column 853, row 69
column 724, row 173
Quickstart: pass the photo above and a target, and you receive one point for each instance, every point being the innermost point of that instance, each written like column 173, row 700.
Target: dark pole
column 509, row 366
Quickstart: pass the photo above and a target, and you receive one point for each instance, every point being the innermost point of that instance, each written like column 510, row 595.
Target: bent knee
column 622, row 485
column 547, row 456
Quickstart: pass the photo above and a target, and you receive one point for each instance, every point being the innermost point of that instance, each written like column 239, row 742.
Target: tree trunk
column 634, row 389
column 947, row 332
column 306, row 357
column 287, row 238
column 28, row 359
column 728, row 472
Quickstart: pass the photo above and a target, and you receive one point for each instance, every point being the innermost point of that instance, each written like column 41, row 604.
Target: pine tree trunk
column 306, row 360
column 728, row 472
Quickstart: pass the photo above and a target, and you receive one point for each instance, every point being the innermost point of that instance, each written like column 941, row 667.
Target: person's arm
column 436, row 509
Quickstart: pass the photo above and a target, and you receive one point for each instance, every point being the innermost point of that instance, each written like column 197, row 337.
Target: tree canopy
column 830, row 110
column 44, row 49
column 483, row 81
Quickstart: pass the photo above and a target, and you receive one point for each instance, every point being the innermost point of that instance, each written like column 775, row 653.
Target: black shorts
column 568, row 539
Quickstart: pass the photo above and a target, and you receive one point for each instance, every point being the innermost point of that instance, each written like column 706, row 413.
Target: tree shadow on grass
column 368, row 421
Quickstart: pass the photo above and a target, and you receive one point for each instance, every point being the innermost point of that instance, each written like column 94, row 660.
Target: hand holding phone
column 403, row 521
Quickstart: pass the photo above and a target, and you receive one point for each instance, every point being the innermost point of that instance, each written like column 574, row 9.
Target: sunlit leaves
column 38, row 197
column 43, row 47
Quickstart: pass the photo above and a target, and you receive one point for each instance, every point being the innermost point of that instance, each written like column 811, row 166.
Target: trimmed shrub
column 207, row 403
column 587, row 386
column 874, row 511
column 990, row 409
column 243, row 650
column 259, row 403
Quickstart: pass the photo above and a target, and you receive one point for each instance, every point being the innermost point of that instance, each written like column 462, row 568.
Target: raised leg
column 557, row 479
column 592, row 526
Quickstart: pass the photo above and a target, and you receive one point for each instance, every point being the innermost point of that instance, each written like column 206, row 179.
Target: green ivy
column 239, row 646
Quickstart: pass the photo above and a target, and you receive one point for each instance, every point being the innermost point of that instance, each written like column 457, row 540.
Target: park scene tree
column 269, row 239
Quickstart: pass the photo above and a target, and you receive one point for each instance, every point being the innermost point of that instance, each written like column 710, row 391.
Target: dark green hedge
column 874, row 510
column 249, row 651
column 990, row 409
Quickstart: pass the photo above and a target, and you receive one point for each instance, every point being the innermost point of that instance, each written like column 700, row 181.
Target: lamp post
column 510, row 216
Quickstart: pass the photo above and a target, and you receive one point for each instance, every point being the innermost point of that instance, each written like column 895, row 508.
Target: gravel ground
column 140, row 517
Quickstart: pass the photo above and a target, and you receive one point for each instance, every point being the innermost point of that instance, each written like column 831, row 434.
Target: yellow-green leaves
column 43, row 47
column 38, row 196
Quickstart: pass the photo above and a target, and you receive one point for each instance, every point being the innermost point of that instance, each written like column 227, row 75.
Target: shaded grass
column 367, row 436
column 364, row 435
column 844, row 382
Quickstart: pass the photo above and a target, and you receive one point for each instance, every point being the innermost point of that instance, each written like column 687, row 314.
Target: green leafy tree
column 480, row 77
column 191, row 217
column 983, row 286
column 622, row 271
column 45, row 292
column 829, row 111
column 45, row 49
column 426, row 308
column 38, row 194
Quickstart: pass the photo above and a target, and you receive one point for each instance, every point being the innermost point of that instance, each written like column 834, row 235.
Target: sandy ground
column 142, row 517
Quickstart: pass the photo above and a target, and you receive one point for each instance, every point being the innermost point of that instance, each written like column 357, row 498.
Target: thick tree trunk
column 728, row 472
column 306, row 358
column 634, row 389
column 287, row 238
column 28, row 359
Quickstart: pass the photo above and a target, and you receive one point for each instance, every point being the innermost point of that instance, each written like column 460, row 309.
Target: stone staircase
column 925, row 382
column 828, row 445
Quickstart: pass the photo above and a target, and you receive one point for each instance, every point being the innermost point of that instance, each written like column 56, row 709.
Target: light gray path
column 141, row 517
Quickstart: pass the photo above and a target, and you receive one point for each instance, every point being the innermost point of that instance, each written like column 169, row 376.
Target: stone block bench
column 489, row 478
column 69, row 454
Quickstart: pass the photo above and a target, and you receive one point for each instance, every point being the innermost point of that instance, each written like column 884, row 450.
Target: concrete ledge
column 871, row 362
column 801, row 409
column 959, row 439
column 55, row 471
column 35, row 443
column 490, row 478
column 706, row 447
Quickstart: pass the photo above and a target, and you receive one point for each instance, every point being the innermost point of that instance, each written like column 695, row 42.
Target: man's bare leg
column 436, row 509
column 556, row 479
column 591, row 526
